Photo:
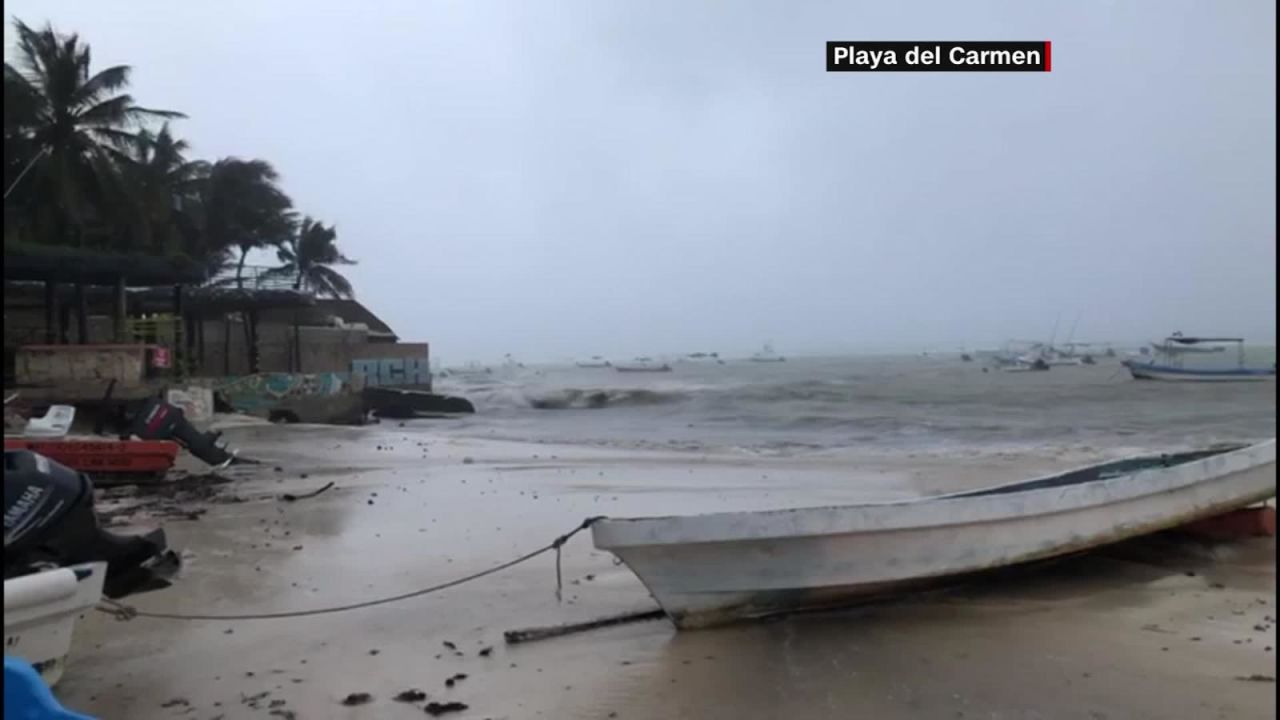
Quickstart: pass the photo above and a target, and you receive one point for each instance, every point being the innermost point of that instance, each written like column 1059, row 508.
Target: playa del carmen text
column 978, row 56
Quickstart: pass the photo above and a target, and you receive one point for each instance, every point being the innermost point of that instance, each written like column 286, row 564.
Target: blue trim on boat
column 1230, row 372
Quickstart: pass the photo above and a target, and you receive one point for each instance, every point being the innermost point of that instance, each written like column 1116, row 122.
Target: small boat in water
column 712, row 569
column 767, row 354
column 1173, row 369
column 643, row 364
column 596, row 361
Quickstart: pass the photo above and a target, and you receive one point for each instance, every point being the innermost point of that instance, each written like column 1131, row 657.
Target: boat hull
column 1147, row 371
column 41, row 611
column 713, row 569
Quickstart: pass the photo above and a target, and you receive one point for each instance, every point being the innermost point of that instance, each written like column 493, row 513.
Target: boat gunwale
column 623, row 533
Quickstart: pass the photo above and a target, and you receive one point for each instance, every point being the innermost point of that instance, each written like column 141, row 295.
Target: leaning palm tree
column 244, row 208
column 66, row 123
column 309, row 256
column 165, row 190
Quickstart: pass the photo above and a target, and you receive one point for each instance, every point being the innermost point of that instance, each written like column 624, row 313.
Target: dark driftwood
column 542, row 633
column 289, row 497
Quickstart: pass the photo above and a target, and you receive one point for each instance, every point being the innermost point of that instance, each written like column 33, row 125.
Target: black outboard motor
column 49, row 521
column 158, row 420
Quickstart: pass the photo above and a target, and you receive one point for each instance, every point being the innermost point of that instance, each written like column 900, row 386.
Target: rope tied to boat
column 122, row 611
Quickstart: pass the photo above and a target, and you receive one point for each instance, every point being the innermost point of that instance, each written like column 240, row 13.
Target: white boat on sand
column 712, row 569
column 41, row 611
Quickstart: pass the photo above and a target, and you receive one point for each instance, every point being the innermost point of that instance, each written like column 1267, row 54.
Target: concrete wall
column 323, row 349
column 25, row 326
column 49, row 364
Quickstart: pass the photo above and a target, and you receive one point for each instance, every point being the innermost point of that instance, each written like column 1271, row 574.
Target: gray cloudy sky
column 554, row 179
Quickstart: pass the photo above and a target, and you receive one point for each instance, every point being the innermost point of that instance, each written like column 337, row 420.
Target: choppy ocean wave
column 843, row 402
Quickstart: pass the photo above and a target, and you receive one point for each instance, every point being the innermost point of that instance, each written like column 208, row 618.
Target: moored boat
column 712, row 569
column 767, row 354
column 643, row 364
column 1173, row 369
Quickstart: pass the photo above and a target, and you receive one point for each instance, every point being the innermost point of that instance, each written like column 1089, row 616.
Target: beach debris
column 450, row 682
column 1257, row 678
column 450, row 645
column 485, row 652
column 176, row 702
column 174, row 498
column 513, row 637
column 357, row 698
column 411, row 695
column 290, row 497
column 436, row 709
column 286, row 714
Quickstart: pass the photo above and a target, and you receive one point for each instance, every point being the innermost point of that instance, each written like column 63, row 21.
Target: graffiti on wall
column 394, row 371
column 266, row 390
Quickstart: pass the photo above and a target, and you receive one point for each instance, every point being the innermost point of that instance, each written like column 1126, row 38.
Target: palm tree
column 244, row 208
column 309, row 257
column 165, row 190
column 67, row 122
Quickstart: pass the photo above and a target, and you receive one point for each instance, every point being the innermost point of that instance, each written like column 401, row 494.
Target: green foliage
column 87, row 167
column 308, row 258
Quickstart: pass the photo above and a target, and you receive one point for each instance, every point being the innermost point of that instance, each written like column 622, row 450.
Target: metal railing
column 253, row 277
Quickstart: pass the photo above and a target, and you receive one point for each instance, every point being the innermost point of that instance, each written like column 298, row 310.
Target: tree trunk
column 244, row 253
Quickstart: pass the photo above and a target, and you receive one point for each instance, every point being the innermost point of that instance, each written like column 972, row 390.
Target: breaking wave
column 581, row 399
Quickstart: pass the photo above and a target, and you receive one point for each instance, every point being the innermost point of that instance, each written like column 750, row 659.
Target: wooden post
column 82, row 314
column 254, row 352
column 50, row 312
column 200, row 340
column 297, row 343
column 226, row 344
column 120, row 311
column 179, row 343
column 64, row 323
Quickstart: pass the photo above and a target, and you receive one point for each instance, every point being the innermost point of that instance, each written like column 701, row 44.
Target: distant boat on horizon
column 767, row 354
column 595, row 362
column 643, row 364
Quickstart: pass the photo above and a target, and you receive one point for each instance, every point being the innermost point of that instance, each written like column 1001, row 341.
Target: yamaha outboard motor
column 49, row 521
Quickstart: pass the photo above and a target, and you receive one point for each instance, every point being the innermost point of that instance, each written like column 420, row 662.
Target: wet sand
column 1159, row 628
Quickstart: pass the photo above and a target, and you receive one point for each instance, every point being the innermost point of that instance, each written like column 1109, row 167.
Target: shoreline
column 412, row 508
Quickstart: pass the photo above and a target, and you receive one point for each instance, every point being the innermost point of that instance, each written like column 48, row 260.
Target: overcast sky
column 557, row 179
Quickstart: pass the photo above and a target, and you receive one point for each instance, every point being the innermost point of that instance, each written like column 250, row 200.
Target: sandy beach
column 1160, row 628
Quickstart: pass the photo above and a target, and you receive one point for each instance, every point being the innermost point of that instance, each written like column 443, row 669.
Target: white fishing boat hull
column 1150, row 371
column 41, row 611
column 712, row 569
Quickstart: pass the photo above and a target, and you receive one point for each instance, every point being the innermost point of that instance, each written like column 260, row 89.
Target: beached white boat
column 711, row 569
column 41, row 611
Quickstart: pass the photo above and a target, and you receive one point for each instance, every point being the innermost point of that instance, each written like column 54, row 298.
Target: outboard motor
column 49, row 521
column 158, row 420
